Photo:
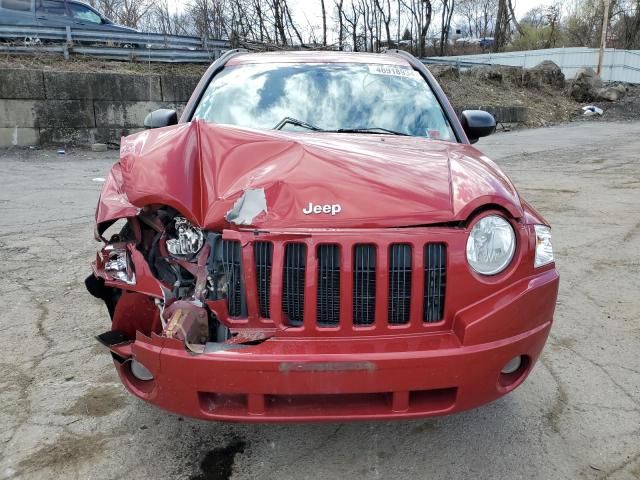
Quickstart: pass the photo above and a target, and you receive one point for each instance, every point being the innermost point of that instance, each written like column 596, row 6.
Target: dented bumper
column 351, row 378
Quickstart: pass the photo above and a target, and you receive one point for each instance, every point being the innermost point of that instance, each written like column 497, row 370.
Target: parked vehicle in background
column 486, row 42
column 55, row 13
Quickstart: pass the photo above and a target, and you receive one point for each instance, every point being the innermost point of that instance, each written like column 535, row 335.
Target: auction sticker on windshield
column 392, row 70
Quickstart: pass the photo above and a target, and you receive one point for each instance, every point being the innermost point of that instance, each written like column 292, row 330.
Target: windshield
column 332, row 96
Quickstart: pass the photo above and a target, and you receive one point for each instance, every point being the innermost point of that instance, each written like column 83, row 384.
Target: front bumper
column 350, row 378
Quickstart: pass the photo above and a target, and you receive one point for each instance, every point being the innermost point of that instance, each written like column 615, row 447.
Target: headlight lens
column 117, row 263
column 186, row 239
column 544, row 249
column 491, row 245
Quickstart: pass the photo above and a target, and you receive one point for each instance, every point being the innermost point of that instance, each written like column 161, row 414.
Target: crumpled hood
column 218, row 175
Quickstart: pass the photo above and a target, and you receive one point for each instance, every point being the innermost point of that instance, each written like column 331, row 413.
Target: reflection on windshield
column 329, row 96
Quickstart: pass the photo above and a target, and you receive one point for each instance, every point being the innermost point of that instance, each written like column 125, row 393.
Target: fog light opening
column 139, row 371
column 513, row 372
column 512, row 365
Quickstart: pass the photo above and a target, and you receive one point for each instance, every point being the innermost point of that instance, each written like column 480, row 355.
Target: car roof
column 318, row 56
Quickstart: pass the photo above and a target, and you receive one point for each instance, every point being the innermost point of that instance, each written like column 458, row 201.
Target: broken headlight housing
column 117, row 263
column 544, row 249
column 491, row 245
column 185, row 239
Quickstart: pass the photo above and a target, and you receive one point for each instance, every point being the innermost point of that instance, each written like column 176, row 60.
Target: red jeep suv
column 316, row 239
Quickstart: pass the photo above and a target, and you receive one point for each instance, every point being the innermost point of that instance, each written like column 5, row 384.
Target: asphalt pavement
column 64, row 414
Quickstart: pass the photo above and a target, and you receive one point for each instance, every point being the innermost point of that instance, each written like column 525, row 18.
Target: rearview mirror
column 162, row 117
column 477, row 123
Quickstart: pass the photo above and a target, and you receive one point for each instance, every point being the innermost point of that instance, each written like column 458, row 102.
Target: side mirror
column 477, row 123
column 162, row 117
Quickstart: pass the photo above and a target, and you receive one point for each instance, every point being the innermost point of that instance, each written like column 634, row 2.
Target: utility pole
column 603, row 39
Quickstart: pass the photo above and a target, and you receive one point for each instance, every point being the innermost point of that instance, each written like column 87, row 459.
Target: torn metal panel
column 250, row 335
column 247, row 207
column 113, row 203
column 188, row 323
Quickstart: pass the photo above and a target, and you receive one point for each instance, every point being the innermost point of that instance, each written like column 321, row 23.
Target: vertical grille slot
column 263, row 254
column 435, row 275
column 364, row 284
column 232, row 265
column 399, row 283
column 328, row 285
column 295, row 258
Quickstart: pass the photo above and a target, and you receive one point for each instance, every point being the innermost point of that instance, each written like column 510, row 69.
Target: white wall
column 618, row 65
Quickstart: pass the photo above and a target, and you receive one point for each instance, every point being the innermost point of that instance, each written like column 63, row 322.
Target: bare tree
column 479, row 15
column 445, row 24
column 421, row 12
column 352, row 21
column 324, row 24
column 163, row 20
column 339, row 7
column 384, row 7
column 627, row 27
column 553, row 19
column 502, row 23
column 130, row 13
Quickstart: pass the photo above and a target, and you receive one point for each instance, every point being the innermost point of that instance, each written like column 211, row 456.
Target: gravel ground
column 65, row 415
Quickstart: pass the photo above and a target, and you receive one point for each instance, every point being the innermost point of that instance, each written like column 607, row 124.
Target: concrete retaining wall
column 45, row 107
column 62, row 108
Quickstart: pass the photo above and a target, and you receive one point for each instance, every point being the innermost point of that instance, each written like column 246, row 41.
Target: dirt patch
column 98, row 402
column 547, row 103
column 80, row 64
column 218, row 463
column 68, row 450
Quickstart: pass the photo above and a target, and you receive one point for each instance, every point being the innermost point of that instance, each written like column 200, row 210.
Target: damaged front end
column 163, row 278
column 241, row 288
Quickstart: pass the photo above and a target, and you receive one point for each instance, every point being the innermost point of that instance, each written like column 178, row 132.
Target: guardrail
column 460, row 64
column 152, row 47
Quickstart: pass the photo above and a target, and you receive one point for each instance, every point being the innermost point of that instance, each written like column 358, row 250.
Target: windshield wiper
column 371, row 130
column 297, row 123
column 308, row 126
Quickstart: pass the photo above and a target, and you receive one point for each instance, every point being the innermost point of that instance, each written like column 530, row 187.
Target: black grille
column 263, row 254
column 399, row 283
column 295, row 258
column 364, row 284
column 435, row 275
column 328, row 313
column 232, row 265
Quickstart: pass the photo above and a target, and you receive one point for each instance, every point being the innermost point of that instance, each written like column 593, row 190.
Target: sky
column 309, row 12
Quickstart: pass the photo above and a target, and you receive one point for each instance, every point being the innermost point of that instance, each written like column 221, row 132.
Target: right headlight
column 544, row 249
column 185, row 240
column 491, row 245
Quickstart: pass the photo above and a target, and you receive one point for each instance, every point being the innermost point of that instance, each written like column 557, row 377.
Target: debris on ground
column 591, row 110
column 99, row 147
column 626, row 108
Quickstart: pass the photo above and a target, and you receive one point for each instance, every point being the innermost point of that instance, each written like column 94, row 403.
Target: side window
column 80, row 12
column 50, row 7
column 16, row 5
